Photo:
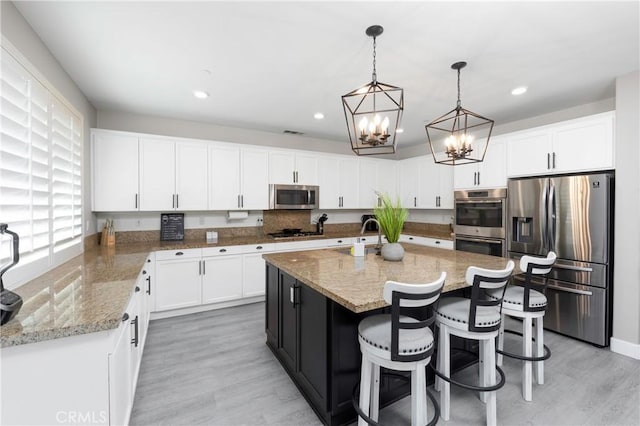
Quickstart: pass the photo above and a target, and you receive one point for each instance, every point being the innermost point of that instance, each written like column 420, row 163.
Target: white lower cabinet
column 84, row 379
column 426, row 241
column 178, row 283
column 221, row 278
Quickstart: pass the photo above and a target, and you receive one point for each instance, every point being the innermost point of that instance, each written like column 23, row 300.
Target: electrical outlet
column 138, row 223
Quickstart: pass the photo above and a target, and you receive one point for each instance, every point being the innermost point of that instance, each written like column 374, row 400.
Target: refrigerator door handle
column 572, row 268
column 570, row 290
column 544, row 228
column 551, row 219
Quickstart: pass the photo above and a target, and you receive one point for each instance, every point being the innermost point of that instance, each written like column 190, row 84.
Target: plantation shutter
column 24, row 161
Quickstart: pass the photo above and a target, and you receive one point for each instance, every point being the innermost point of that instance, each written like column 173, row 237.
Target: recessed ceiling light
column 519, row 90
column 200, row 94
column 399, row 130
column 318, row 116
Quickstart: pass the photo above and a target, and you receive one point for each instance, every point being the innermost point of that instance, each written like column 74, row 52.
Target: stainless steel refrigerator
column 573, row 216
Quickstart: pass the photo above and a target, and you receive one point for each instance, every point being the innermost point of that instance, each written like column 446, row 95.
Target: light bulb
column 377, row 120
column 385, row 124
column 363, row 124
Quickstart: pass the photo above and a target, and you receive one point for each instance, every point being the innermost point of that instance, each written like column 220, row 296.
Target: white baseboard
column 625, row 348
column 204, row 308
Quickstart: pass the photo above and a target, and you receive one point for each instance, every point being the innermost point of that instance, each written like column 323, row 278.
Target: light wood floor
column 214, row 368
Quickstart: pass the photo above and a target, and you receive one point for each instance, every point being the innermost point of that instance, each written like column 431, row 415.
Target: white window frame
column 28, row 269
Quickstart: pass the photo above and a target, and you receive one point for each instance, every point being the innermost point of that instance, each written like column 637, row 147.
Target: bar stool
column 528, row 304
column 398, row 342
column 477, row 318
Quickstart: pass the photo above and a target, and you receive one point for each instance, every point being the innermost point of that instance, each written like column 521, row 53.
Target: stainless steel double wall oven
column 480, row 221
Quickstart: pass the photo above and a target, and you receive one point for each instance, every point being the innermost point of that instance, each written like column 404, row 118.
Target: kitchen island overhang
column 315, row 300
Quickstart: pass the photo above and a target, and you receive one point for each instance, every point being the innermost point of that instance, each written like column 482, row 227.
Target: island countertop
column 357, row 282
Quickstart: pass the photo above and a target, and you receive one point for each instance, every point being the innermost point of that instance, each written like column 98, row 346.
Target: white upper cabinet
column 157, row 174
column 425, row 184
column 173, row 175
column 583, row 144
column 376, row 176
column 254, row 177
column 490, row 173
column 293, row 168
column 224, row 177
column 338, row 181
column 115, row 172
column 238, row 178
column 191, row 176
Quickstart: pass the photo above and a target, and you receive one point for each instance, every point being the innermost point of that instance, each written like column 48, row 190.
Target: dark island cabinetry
column 316, row 341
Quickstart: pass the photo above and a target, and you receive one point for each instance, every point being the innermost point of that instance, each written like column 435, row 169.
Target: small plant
column 391, row 217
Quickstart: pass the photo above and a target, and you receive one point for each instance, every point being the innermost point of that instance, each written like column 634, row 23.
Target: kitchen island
column 315, row 300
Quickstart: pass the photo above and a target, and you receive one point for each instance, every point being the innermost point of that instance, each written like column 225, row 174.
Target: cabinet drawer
column 178, row 254
column 259, row 248
column 222, row 250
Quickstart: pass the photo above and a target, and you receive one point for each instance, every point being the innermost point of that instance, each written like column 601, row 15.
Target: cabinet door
column 528, row 153
column 465, row 176
column 288, row 321
column 584, row 144
column 493, row 170
column 282, row 167
column 221, row 279
column 445, row 186
column 348, row 172
column 306, row 169
column 191, row 176
column 157, row 175
column 120, row 395
column 272, row 303
column 253, row 278
column 312, row 344
column 178, row 284
column 329, row 182
column 387, row 178
column 428, row 182
column 255, row 178
column 224, row 178
column 115, row 173
column 367, row 177
column 409, row 182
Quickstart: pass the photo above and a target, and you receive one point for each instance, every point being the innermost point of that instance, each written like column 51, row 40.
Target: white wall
column 20, row 34
column 626, row 279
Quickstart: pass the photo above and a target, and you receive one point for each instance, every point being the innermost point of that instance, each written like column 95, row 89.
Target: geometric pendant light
column 460, row 136
column 373, row 112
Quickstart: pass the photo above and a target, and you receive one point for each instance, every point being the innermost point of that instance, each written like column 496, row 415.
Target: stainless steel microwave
column 293, row 197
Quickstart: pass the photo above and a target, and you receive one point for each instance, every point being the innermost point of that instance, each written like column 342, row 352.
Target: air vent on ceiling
column 292, row 132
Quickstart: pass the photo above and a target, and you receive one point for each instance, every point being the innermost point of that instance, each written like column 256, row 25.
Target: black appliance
column 10, row 302
column 371, row 226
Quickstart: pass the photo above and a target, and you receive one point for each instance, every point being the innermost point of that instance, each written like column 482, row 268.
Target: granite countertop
column 90, row 292
column 357, row 283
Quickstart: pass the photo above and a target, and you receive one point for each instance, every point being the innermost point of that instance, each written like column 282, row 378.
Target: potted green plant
column 391, row 217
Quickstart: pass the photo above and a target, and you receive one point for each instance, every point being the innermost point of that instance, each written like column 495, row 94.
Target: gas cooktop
column 297, row 233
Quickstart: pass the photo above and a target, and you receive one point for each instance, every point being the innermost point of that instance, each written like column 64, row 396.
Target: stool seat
column 376, row 331
column 454, row 312
column 514, row 298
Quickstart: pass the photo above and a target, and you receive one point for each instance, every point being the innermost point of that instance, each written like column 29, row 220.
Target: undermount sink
column 367, row 250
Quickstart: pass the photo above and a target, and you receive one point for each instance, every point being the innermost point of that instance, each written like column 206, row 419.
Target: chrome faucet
column 364, row 225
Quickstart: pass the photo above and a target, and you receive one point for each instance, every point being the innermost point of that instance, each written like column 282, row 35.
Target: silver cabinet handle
column 238, row 200
column 474, row 178
column 173, row 201
column 204, row 268
column 200, row 267
column 136, row 201
column 242, row 201
column 415, row 201
column 548, row 161
column 553, row 161
column 294, row 176
column 291, row 294
column 478, row 178
column 571, row 290
column 177, row 201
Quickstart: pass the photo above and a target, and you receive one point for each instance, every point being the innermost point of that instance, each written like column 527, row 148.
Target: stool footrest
column 473, row 387
column 547, row 351
column 355, row 397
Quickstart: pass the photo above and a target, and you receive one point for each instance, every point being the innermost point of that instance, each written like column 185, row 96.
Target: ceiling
column 271, row 65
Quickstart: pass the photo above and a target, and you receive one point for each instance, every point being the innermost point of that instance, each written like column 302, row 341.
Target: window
column 40, row 170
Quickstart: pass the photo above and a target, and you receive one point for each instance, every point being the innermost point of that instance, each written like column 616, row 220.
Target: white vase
column 392, row 251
